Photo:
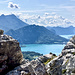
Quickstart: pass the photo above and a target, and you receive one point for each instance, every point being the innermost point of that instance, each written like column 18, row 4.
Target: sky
column 53, row 10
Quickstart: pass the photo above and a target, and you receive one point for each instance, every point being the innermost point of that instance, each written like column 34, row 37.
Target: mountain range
column 34, row 34
column 63, row 31
column 10, row 22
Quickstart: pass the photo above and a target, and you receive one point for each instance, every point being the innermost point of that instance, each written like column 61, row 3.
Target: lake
column 46, row 48
column 67, row 36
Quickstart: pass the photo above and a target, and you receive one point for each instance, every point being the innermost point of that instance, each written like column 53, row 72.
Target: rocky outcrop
column 34, row 67
column 11, row 59
column 10, row 53
column 64, row 64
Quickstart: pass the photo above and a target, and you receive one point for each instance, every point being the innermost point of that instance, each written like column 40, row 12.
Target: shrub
column 63, row 71
column 73, row 53
column 1, row 32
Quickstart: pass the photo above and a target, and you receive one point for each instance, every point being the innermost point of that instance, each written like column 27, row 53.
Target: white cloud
column 5, row 1
column 12, row 5
column 46, row 20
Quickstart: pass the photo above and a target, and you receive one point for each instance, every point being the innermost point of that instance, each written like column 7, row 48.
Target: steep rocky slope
column 64, row 64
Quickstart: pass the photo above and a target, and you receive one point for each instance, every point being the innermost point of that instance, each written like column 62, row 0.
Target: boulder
column 34, row 67
column 10, row 53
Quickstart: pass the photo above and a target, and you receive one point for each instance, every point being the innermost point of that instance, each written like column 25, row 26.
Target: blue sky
column 65, row 8
column 62, row 7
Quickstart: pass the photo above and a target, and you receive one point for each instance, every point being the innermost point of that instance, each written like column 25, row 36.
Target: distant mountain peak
column 12, row 15
column 11, row 22
column 63, row 30
column 2, row 15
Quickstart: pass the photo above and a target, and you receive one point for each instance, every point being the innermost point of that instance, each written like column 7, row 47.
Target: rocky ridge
column 64, row 64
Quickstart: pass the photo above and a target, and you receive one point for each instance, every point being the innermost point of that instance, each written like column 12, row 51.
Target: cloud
column 47, row 19
column 12, row 5
column 5, row 1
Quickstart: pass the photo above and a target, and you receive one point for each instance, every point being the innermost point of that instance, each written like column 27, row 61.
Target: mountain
column 10, row 22
column 63, row 31
column 33, row 34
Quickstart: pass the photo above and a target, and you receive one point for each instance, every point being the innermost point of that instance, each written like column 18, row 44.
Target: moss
column 63, row 71
column 73, row 53
column 66, row 61
column 49, row 60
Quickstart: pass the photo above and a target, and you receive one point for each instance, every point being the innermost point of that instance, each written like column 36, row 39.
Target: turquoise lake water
column 46, row 48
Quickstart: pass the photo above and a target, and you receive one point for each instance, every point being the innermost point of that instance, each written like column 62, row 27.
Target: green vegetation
column 49, row 59
column 66, row 61
column 34, row 34
column 31, row 55
column 73, row 53
column 63, row 71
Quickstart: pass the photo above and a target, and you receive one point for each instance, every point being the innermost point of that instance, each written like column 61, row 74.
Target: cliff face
column 10, row 53
column 64, row 64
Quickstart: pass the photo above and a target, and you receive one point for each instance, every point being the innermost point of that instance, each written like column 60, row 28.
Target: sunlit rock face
column 10, row 53
column 64, row 64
